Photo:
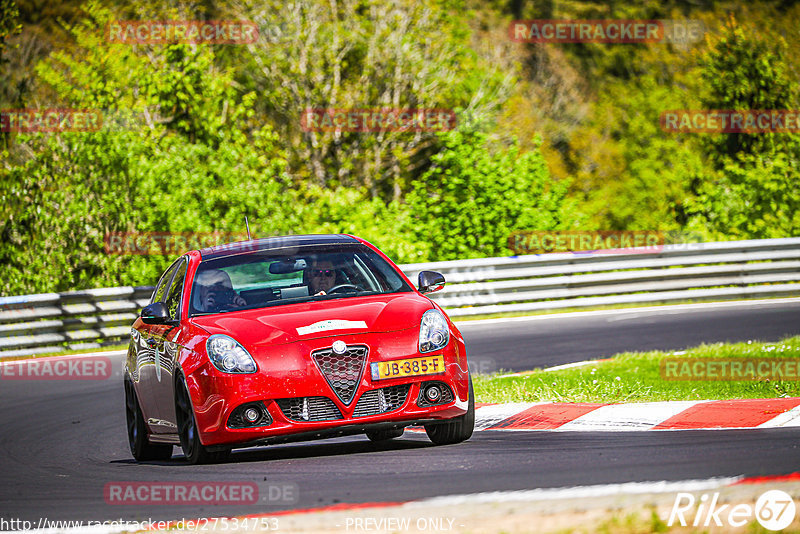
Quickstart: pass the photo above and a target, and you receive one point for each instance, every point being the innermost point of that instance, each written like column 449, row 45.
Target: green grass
column 637, row 377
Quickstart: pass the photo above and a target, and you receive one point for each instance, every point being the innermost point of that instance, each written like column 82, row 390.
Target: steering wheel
column 340, row 286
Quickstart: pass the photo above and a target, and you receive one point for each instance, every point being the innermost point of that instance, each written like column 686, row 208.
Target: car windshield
column 289, row 276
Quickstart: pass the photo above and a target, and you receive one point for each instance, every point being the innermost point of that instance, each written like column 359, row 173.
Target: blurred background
column 548, row 137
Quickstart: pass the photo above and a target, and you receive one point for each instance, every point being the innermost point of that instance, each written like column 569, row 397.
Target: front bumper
column 288, row 371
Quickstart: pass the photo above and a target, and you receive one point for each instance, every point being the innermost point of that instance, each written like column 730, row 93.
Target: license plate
column 429, row 365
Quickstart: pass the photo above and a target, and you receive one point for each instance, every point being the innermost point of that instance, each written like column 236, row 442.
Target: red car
column 288, row 339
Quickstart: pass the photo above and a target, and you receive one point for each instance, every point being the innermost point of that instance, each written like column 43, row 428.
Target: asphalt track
column 61, row 442
column 542, row 341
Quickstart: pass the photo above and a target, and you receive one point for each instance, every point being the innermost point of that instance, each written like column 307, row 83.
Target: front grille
column 309, row 409
column 446, row 396
column 381, row 400
column 342, row 371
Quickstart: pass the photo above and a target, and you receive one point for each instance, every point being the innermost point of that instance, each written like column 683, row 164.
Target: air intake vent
column 309, row 409
column 342, row 371
column 440, row 394
column 250, row 415
column 381, row 400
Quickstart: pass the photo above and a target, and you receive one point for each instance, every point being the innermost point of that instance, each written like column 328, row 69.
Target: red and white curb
column 672, row 415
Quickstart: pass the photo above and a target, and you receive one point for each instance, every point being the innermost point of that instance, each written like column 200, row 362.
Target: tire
column 385, row 435
column 457, row 429
column 193, row 450
column 141, row 449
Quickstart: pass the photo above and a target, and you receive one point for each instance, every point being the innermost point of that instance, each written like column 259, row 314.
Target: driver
column 215, row 291
column 321, row 277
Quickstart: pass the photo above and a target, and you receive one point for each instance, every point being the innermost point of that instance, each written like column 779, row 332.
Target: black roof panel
column 274, row 243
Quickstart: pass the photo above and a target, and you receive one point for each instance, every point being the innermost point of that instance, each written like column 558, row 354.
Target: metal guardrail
column 47, row 322
column 32, row 324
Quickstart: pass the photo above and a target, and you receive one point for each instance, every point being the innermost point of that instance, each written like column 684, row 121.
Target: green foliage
column 187, row 164
column 370, row 54
column 349, row 211
column 471, row 199
column 9, row 25
column 657, row 169
column 753, row 197
column 751, row 190
column 213, row 133
column 746, row 73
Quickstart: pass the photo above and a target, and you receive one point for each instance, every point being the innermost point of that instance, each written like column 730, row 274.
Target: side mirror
column 430, row 281
column 155, row 313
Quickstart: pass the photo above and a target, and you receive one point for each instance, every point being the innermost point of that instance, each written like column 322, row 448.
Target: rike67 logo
column 774, row 510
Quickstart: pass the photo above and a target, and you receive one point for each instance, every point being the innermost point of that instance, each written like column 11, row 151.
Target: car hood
column 312, row 320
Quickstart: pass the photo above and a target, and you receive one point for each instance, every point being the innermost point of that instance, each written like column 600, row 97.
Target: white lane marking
column 574, row 364
column 627, row 417
column 577, row 492
column 558, row 367
column 657, row 310
column 486, row 416
column 786, row 419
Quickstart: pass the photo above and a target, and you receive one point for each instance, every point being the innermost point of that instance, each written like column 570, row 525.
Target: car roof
column 275, row 243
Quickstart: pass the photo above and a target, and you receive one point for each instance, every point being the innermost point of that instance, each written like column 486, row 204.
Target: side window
column 161, row 288
column 176, row 289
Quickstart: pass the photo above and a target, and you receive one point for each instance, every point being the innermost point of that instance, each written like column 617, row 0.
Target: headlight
column 228, row 355
column 433, row 331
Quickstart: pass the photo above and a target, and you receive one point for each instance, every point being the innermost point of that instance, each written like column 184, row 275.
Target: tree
column 190, row 161
column 751, row 189
column 9, row 25
column 356, row 54
column 473, row 196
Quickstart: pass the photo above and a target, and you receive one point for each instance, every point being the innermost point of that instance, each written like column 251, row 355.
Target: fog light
column 433, row 393
column 252, row 415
